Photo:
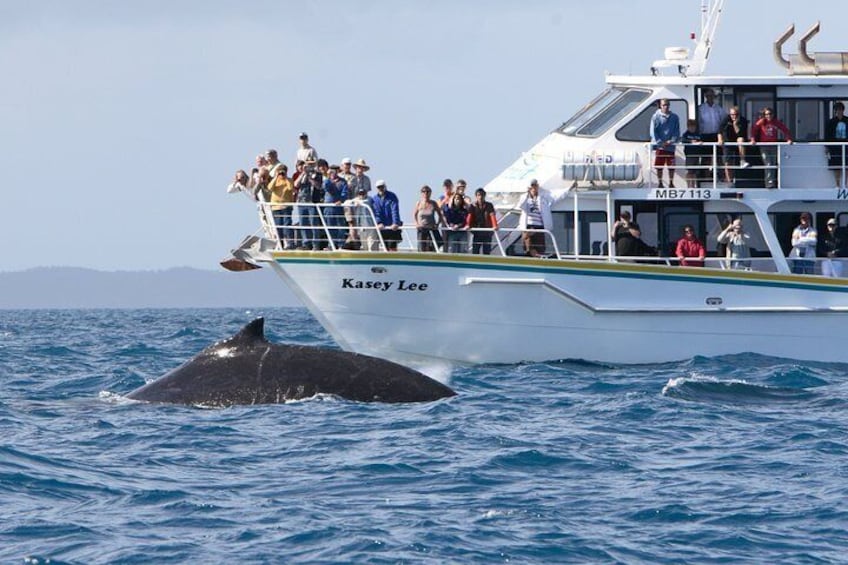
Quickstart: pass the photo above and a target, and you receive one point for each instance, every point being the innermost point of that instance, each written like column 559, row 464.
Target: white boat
column 583, row 302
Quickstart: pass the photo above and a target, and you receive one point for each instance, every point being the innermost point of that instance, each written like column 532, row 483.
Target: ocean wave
column 733, row 391
column 736, row 461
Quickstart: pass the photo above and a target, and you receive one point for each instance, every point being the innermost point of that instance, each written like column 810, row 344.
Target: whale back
column 247, row 369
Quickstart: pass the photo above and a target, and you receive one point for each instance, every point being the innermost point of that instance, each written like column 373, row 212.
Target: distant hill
column 71, row 287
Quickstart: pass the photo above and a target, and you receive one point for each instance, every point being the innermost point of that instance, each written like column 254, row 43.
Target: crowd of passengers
column 717, row 125
column 445, row 224
column 733, row 243
column 336, row 201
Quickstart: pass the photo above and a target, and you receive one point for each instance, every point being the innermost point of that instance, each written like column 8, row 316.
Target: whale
column 248, row 369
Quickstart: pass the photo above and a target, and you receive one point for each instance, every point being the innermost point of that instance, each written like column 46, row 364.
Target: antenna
column 710, row 16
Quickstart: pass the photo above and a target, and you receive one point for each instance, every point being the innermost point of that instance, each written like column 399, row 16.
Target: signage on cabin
column 600, row 166
column 683, row 194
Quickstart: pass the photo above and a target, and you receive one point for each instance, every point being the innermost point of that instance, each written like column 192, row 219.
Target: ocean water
column 740, row 459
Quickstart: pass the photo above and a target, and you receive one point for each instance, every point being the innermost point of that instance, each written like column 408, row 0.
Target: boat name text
column 401, row 285
column 680, row 194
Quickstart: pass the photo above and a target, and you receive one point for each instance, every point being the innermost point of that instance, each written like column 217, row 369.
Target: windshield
column 604, row 111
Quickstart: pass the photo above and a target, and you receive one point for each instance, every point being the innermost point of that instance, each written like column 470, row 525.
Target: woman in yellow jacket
column 282, row 195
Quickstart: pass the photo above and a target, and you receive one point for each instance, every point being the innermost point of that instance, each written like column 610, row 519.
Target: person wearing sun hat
column 360, row 180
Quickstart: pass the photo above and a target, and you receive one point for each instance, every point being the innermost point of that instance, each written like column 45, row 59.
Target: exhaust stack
column 829, row 63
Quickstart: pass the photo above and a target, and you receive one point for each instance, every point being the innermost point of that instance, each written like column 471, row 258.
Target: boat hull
column 478, row 309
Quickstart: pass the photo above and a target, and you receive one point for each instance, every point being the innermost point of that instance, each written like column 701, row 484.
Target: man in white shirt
column 710, row 116
column 306, row 153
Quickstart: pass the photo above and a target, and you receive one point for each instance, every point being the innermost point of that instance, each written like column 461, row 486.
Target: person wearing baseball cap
column 387, row 215
column 306, row 152
column 345, row 171
column 835, row 246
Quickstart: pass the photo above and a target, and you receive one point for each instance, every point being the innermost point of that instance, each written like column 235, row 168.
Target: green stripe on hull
column 570, row 267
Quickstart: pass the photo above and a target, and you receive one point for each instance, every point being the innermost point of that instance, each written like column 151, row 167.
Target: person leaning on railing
column 690, row 251
column 733, row 129
column 387, row 215
column 768, row 130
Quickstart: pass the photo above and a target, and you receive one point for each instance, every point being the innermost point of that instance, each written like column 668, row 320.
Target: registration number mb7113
column 682, row 194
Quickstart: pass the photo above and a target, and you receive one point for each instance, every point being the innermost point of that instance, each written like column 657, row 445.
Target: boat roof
column 725, row 81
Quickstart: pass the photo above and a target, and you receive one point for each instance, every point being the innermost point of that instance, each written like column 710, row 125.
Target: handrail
column 368, row 223
column 716, row 162
column 812, row 266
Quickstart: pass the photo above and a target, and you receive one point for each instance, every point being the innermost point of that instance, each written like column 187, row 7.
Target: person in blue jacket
column 387, row 215
column 335, row 192
column 665, row 132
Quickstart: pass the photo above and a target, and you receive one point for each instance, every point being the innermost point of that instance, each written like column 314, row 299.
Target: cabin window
column 805, row 118
column 593, row 232
column 639, row 128
column 604, row 111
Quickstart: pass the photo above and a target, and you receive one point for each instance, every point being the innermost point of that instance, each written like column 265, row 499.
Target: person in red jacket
column 768, row 129
column 690, row 250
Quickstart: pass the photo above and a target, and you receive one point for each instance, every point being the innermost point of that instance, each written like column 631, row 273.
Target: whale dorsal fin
column 254, row 331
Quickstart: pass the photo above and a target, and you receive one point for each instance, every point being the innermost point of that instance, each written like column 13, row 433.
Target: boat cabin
column 600, row 162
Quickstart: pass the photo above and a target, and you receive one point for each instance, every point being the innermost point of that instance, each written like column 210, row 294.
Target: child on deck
column 692, row 147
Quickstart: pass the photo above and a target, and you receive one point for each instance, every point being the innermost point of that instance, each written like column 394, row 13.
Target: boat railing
column 327, row 224
column 353, row 227
column 808, row 164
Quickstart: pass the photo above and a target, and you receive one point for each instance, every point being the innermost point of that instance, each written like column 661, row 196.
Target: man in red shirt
column 767, row 130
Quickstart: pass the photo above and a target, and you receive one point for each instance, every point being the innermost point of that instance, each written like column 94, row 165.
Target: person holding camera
column 626, row 236
column 736, row 241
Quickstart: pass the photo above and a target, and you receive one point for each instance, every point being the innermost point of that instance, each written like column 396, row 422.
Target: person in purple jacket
column 387, row 215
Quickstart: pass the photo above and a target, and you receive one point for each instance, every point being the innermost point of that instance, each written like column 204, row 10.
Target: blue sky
column 123, row 122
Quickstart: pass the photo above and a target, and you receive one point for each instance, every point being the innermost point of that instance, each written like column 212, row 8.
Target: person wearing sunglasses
column 690, row 251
